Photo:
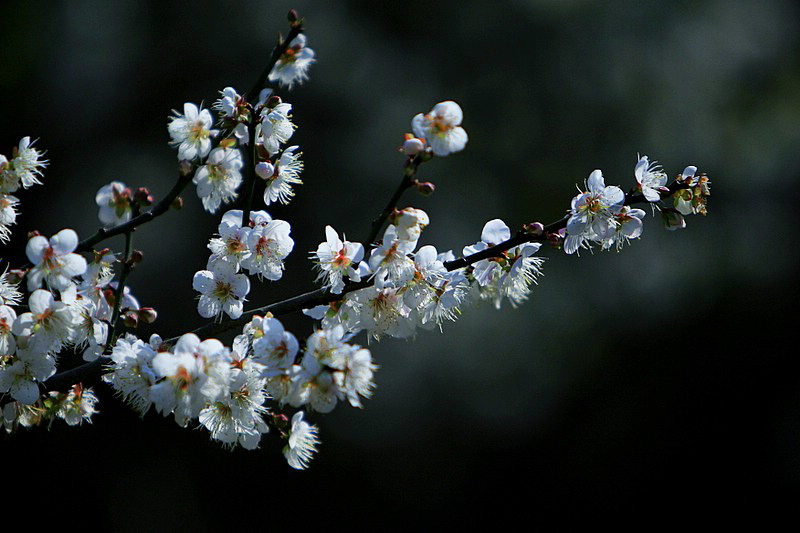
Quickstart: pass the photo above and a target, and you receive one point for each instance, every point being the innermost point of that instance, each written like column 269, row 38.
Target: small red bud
column 293, row 16
column 274, row 101
column 263, row 153
column 143, row 197
column 34, row 233
column 281, row 421
column 110, row 296
column 98, row 254
column 177, row 203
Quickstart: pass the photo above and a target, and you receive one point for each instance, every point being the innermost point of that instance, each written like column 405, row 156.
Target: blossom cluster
column 70, row 305
column 259, row 248
column 392, row 285
column 601, row 215
column 22, row 170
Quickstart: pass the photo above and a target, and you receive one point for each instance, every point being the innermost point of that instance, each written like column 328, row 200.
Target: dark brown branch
column 159, row 209
column 409, row 177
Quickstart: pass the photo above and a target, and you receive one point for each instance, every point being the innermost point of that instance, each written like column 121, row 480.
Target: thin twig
column 409, row 177
column 159, row 209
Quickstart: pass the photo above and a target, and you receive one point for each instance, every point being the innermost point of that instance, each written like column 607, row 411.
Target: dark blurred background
column 659, row 381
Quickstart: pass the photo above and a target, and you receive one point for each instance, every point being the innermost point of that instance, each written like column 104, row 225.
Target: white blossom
column 19, row 378
column 219, row 178
column 273, row 346
column 8, row 343
column 8, row 215
column 441, row 128
column 54, row 261
column 390, row 263
column 302, row 442
column 116, row 203
column 77, row 406
column 222, row 290
column 292, row 67
column 276, row 127
column 131, row 374
column 9, row 295
column 237, row 417
column 628, row 225
column 194, row 374
column 191, row 132
column 28, row 163
column 650, row 179
column 281, row 176
column 232, row 244
column 268, row 245
column 48, row 325
column 592, row 213
column 337, row 259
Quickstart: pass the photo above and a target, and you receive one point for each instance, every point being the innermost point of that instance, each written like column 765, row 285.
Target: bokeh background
column 662, row 380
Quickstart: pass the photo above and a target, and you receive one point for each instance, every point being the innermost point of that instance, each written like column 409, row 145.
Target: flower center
column 198, row 132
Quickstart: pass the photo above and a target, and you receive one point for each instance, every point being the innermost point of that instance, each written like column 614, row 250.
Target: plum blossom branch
column 187, row 170
column 399, row 289
column 91, row 371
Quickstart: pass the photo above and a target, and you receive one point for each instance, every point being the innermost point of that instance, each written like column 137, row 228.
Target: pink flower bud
column 534, row 228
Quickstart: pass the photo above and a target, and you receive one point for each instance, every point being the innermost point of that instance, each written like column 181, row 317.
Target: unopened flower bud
column 15, row 275
column 137, row 256
column 262, row 152
column 555, row 239
column 186, row 168
column 426, row 188
column 534, row 228
column 130, row 319
column 293, row 16
column 147, row 315
column 281, row 421
column 110, row 297
column 413, row 146
column 177, row 203
column 274, row 101
column 143, row 197
column 265, row 170
column 32, row 234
